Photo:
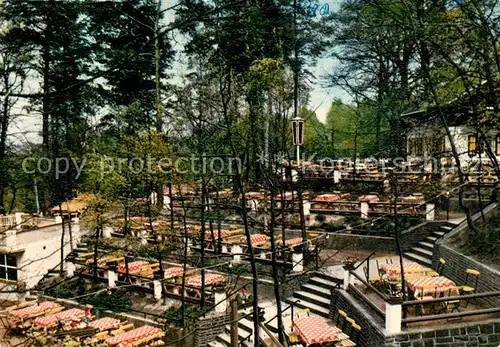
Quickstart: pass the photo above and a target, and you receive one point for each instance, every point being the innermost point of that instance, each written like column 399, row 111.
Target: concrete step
column 321, row 282
column 215, row 344
column 315, row 299
column 224, row 339
column 319, row 310
column 431, row 239
column 438, row 233
column 446, row 227
column 418, row 258
column 426, row 245
column 422, row 251
column 314, row 289
column 328, row 276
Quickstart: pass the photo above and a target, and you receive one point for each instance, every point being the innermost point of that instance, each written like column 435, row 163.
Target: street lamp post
column 298, row 135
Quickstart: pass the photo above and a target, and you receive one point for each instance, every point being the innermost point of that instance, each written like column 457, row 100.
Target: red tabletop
column 135, row 335
column 314, row 329
column 51, row 321
column 430, row 285
column 368, row 198
column 172, row 272
column 133, row 267
column 210, row 278
column 35, row 310
column 327, row 197
column 105, row 323
column 257, row 239
column 254, row 195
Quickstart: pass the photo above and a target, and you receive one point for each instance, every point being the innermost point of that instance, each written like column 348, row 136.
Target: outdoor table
column 223, row 233
column 326, row 198
column 314, row 330
column 256, row 239
column 368, row 198
column 254, row 195
column 172, row 272
column 133, row 267
column 412, row 270
column 285, row 196
column 136, row 336
column 36, row 310
column 431, row 285
column 210, row 278
column 105, row 323
column 51, row 321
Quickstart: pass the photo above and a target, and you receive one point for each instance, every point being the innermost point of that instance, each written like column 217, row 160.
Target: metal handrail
column 377, row 309
column 273, row 338
column 367, row 258
column 450, row 315
column 289, row 306
column 369, row 285
column 451, row 298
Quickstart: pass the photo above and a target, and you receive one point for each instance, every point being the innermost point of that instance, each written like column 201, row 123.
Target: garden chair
column 452, row 305
column 355, row 333
column 347, row 328
column 467, row 289
column 440, row 266
column 341, row 318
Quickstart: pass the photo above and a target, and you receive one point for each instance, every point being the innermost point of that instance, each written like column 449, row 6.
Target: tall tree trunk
column 276, row 281
column 226, row 96
column 159, row 106
column 61, row 266
column 4, row 179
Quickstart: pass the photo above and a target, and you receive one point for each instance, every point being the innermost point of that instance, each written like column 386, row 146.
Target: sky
column 26, row 129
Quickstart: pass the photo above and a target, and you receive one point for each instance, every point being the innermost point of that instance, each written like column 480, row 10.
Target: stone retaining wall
column 354, row 242
column 371, row 331
column 485, row 334
column 457, row 263
column 207, row 329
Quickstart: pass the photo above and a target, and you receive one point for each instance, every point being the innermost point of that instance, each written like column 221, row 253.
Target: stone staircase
column 423, row 250
column 245, row 333
column 315, row 294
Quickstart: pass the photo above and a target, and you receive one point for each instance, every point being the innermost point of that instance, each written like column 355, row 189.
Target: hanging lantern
column 298, row 131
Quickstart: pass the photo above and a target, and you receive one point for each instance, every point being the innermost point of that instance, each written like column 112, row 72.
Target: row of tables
column 50, row 319
column 421, row 280
column 315, row 330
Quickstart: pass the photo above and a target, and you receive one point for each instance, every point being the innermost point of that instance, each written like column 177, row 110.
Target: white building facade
column 27, row 256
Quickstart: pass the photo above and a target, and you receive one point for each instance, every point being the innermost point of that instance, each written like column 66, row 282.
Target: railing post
column 220, row 299
column 348, row 267
column 393, row 315
column 70, row 269
column 112, row 278
column 19, row 220
column 106, row 232
column 297, row 262
column 336, row 176
column 364, row 210
column 236, row 251
column 430, row 212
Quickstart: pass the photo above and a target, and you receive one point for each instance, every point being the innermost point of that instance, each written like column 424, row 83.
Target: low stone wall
column 371, row 331
column 485, row 334
column 354, row 242
column 457, row 263
column 410, row 237
column 207, row 329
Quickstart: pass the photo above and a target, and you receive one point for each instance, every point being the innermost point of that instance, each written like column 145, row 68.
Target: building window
column 497, row 145
column 8, row 267
column 472, row 146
